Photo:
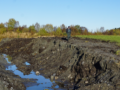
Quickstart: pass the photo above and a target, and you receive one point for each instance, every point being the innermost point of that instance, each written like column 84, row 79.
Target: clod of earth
column 82, row 64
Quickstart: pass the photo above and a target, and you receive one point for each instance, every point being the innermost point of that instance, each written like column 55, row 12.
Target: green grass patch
column 118, row 52
column 112, row 38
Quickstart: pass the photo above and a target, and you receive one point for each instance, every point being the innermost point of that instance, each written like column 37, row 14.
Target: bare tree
column 102, row 29
column 62, row 26
column 49, row 27
column 16, row 24
column 43, row 26
column 54, row 28
column 84, row 29
column 24, row 26
column 37, row 27
column 6, row 24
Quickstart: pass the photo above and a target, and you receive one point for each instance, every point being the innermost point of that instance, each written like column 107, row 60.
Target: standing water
column 43, row 83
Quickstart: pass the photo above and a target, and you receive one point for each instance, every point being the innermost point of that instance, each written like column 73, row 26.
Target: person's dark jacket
column 67, row 31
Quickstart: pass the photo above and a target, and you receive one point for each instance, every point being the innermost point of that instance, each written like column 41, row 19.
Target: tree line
column 49, row 29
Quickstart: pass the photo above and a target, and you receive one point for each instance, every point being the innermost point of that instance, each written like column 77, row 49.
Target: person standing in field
column 68, row 31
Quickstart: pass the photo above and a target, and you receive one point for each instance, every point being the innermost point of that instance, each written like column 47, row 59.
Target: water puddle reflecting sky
column 26, row 63
column 45, row 84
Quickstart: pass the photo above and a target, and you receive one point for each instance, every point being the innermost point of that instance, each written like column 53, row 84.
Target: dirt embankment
column 83, row 64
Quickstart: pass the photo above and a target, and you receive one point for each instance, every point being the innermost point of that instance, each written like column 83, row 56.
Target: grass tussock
column 21, row 35
column 18, row 35
column 118, row 52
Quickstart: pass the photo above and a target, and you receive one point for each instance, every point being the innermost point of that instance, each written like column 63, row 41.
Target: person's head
column 68, row 26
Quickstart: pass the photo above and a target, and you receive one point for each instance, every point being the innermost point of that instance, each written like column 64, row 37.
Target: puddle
column 26, row 63
column 43, row 83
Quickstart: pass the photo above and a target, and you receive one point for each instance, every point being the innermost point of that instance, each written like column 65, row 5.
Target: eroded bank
column 78, row 64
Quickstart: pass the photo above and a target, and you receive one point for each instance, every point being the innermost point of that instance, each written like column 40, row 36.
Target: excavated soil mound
column 80, row 64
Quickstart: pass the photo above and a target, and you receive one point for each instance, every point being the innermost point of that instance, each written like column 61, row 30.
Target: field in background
column 21, row 35
column 112, row 38
column 17, row 35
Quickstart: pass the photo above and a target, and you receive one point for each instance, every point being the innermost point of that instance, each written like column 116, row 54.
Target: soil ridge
column 81, row 64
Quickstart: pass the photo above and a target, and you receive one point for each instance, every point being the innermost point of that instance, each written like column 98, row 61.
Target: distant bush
column 25, row 30
column 2, row 30
column 64, row 34
column 43, row 32
column 1, row 25
column 116, row 32
column 18, row 31
column 58, row 32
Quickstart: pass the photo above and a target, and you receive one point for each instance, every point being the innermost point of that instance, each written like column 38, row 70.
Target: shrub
column 64, row 34
column 2, row 30
column 43, row 32
column 18, row 31
column 9, row 58
column 25, row 30
column 1, row 25
column 118, row 52
column 58, row 32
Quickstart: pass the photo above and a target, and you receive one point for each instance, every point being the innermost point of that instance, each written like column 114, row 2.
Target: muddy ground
column 80, row 64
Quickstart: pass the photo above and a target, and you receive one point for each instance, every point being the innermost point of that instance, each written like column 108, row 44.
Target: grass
column 118, row 52
column 112, row 38
column 21, row 35
column 17, row 35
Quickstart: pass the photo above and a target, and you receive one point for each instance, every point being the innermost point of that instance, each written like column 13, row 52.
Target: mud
column 77, row 64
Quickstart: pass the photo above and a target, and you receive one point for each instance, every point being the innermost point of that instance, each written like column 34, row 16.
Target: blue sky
column 91, row 14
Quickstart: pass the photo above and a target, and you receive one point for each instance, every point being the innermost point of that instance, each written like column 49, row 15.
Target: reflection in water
column 7, row 57
column 27, row 63
column 44, row 84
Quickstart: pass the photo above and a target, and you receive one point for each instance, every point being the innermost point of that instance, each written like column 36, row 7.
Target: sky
column 91, row 14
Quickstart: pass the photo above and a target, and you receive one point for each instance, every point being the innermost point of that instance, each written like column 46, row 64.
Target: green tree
column 32, row 28
column 11, row 23
column 42, row 32
column 78, row 28
column 58, row 32
column 1, row 25
column 2, row 30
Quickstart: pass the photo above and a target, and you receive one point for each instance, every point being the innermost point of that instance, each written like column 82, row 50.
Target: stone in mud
column 62, row 68
column 56, row 77
column 52, row 77
column 37, row 72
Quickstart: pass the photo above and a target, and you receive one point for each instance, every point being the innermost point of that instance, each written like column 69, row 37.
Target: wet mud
column 77, row 64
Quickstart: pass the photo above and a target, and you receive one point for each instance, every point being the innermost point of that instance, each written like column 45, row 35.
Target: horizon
column 92, row 14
